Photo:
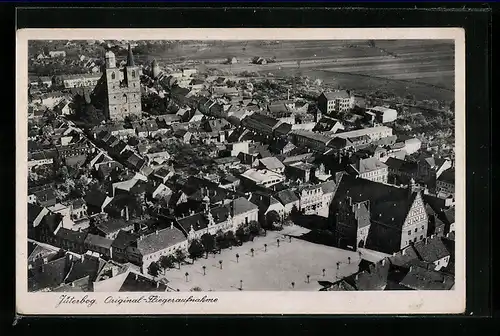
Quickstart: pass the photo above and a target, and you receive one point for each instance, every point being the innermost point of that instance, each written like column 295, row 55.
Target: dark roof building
column 138, row 283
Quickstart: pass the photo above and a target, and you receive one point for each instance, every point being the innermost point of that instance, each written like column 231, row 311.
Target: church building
column 119, row 89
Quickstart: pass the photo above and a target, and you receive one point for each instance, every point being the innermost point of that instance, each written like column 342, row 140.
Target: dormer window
column 113, row 76
column 133, row 73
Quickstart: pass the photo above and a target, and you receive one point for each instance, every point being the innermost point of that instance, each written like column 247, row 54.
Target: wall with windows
column 415, row 226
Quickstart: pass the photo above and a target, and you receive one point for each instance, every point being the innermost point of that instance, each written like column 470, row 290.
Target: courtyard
column 274, row 268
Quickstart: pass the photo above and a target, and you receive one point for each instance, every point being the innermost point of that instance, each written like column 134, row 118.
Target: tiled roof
column 124, row 239
column 48, row 275
column 388, row 204
column 343, row 94
column 272, row 163
column 448, row 176
column 419, row 278
column 99, row 241
column 139, row 283
column 95, row 198
column 328, row 187
column 402, row 165
column 89, row 266
column 368, row 165
column 198, row 221
column 70, row 235
column 287, row 196
column 113, row 225
column 160, row 240
column 33, row 212
column 432, row 249
column 242, row 205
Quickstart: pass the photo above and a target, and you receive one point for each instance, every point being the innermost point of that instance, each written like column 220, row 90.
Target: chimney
column 157, row 284
column 156, row 232
column 411, row 268
column 383, row 262
column 126, row 213
column 172, row 225
column 136, row 276
column 432, row 236
column 404, row 252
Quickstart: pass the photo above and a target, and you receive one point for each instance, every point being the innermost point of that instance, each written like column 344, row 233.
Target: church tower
column 123, row 87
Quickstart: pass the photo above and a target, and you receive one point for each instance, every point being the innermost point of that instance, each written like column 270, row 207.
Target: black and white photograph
column 170, row 165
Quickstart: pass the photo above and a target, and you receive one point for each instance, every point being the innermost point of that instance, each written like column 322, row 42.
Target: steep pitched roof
column 48, row 275
column 99, row 241
column 420, row 278
column 287, row 196
column 89, row 266
column 74, row 236
column 402, row 165
column 388, row 204
column 138, row 283
column 130, row 57
column 272, row 163
column 336, row 95
column 242, row 205
column 113, row 225
column 432, row 249
column 328, row 187
column 448, row 176
column 124, row 239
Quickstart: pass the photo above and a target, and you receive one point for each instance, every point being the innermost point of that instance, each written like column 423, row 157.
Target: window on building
column 113, row 76
column 133, row 73
column 409, row 232
column 415, row 239
column 416, row 229
column 421, row 237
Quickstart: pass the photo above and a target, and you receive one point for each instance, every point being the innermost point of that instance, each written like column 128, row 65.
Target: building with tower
column 118, row 92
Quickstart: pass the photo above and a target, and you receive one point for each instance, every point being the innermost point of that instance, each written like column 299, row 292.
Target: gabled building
column 331, row 103
column 369, row 168
column 445, row 184
column 151, row 247
column 289, row 199
column 397, row 215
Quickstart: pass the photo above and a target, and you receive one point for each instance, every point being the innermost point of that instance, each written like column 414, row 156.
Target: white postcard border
column 384, row 302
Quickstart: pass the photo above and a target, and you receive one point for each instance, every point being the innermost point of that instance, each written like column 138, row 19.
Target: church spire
column 130, row 59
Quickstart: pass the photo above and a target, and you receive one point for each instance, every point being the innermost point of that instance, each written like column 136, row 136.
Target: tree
column 204, row 269
column 208, row 242
column 220, row 263
column 252, row 251
column 237, row 257
column 63, row 173
column 153, row 269
column 265, row 247
column 187, row 276
column 180, row 256
column 167, row 261
column 241, row 234
column 254, row 228
column 230, row 238
column 195, row 250
column 308, row 277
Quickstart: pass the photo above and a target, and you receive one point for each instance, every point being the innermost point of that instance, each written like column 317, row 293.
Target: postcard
column 240, row 171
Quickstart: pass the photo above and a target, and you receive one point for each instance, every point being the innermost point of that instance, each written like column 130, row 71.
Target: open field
column 424, row 68
column 271, row 270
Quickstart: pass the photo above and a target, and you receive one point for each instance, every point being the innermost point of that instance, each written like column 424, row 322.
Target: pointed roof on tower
column 130, row 58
